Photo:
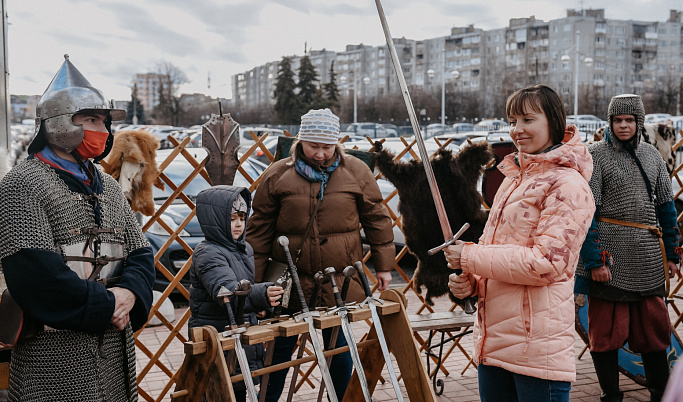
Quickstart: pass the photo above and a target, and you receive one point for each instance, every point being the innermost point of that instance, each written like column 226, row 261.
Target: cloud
column 146, row 30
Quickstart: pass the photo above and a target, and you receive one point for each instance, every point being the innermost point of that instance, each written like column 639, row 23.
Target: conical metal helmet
column 68, row 93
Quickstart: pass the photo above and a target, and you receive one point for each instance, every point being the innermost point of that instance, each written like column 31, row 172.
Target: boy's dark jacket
column 221, row 261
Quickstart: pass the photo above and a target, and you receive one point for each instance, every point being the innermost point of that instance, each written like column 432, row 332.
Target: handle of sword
column 224, row 294
column 363, row 279
column 319, row 277
column 277, row 310
column 241, row 292
column 337, row 296
column 348, row 274
column 284, row 242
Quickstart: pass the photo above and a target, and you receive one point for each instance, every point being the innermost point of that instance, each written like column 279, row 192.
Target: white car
column 657, row 117
column 586, row 122
column 372, row 130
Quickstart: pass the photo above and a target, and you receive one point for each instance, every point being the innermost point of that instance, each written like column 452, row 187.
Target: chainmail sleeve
column 24, row 222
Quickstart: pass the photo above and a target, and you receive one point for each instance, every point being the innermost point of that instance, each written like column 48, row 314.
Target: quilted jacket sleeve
column 552, row 253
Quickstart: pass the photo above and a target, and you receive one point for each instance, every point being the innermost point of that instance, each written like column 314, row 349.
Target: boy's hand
column 261, row 314
column 274, row 294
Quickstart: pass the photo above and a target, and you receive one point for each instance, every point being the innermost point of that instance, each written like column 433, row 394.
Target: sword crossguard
column 367, row 301
column 303, row 315
column 234, row 331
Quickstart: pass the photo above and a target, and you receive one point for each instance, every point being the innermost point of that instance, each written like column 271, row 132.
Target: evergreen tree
column 319, row 100
column 286, row 101
column 332, row 91
column 135, row 108
column 307, row 84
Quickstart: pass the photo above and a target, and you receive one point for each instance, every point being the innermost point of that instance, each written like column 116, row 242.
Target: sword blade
column 355, row 357
column 436, row 195
column 244, row 366
column 320, row 357
column 385, row 349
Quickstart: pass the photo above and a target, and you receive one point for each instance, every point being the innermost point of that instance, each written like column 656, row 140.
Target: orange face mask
column 93, row 144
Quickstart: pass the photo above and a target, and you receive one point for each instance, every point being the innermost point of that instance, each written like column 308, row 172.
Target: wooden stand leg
column 204, row 373
column 404, row 348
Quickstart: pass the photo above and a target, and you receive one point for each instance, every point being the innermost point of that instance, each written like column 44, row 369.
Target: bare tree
column 171, row 78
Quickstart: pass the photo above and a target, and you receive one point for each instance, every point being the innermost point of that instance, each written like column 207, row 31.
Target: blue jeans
column 499, row 385
column 340, row 368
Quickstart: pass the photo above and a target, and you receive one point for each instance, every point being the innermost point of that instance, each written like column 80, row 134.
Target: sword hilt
column 284, row 242
column 242, row 290
column 348, row 274
column 319, row 278
column 277, row 310
column 224, row 294
column 363, row 279
column 455, row 237
column 337, row 296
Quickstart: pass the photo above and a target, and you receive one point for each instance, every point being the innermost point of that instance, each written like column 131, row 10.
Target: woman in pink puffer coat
column 522, row 269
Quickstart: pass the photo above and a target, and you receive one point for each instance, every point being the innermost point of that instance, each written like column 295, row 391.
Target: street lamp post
column 454, row 73
column 565, row 58
column 366, row 80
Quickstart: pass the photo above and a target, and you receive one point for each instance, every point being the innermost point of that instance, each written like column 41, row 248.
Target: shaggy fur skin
column 137, row 147
column 456, row 176
column 661, row 136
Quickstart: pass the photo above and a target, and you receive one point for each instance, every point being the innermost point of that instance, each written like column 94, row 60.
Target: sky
column 110, row 41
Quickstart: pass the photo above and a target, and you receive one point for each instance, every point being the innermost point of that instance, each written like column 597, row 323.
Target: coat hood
column 572, row 154
column 213, row 213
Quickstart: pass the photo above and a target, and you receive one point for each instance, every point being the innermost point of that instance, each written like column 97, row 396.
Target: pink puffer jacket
column 525, row 262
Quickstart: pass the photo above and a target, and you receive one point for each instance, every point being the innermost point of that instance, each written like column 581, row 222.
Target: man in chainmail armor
column 628, row 254
column 73, row 255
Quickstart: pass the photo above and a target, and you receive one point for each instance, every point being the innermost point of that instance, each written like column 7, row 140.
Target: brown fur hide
column 457, row 177
column 661, row 135
column 132, row 162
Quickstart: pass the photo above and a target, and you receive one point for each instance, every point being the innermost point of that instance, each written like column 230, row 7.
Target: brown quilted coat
column 283, row 204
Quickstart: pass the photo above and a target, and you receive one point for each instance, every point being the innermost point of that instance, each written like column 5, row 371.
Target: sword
column 270, row 348
column 235, row 331
column 307, row 316
column 348, row 273
column 436, row 195
column 302, row 340
column 378, row 328
column 342, row 311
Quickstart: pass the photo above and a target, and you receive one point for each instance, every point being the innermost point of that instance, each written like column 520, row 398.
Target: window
column 567, row 27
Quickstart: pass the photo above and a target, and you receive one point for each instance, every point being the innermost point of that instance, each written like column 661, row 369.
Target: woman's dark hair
column 540, row 98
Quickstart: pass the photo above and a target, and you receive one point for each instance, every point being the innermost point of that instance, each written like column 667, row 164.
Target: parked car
column 175, row 255
column 463, row 127
column 245, row 137
column 490, row 124
column 657, row 117
column 586, row 122
column 373, row 130
column 435, row 129
column 405, row 130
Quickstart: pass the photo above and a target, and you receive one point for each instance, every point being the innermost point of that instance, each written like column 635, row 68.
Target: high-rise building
column 485, row 66
column 148, row 88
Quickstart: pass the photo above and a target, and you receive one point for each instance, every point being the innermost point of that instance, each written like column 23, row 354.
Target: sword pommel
column 337, row 296
column 283, row 241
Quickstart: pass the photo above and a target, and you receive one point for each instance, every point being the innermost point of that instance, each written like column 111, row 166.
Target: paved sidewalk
column 457, row 387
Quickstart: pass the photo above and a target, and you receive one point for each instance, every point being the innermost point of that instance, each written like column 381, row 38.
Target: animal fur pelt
column 132, row 162
column 457, row 177
column 661, row 135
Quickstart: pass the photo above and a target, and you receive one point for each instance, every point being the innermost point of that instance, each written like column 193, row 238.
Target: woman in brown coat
column 349, row 197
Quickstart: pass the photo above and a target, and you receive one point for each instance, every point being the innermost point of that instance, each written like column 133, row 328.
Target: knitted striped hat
column 627, row 104
column 320, row 125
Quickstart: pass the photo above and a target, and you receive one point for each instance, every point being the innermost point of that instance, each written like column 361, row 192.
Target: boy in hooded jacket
column 224, row 258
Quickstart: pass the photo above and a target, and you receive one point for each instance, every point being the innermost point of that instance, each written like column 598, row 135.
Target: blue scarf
column 311, row 174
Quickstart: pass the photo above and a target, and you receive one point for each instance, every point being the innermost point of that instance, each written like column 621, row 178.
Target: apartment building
column 148, row 88
column 608, row 57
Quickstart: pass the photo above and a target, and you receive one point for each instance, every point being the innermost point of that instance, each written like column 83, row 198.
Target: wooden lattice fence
column 160, row 352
